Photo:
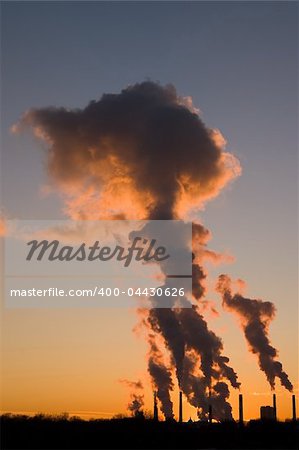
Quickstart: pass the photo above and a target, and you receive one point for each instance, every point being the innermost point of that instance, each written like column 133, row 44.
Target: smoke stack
column 210, row 413
column 274, row 407
column 181, row 407
column 240, row 409
column 210, row 408
column 294, row 407
column 155, row 407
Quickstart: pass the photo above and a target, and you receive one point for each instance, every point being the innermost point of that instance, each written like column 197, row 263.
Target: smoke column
column 255, row 317
column 146, row 154
column 186, row 332
column 161, row 376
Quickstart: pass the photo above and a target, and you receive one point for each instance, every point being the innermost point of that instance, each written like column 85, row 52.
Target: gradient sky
column 239, row 62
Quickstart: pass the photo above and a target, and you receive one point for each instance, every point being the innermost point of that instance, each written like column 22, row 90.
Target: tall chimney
column 294, row 407
column 210, row 408
column 240, row 409
column 210, row 413
column 155, row 407
column 274, row 407
column 181, row 407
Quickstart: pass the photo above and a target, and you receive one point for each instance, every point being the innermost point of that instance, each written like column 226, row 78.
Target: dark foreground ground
column 21, row 432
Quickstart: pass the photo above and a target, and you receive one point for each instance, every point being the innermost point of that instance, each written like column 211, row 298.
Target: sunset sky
column 239, row 63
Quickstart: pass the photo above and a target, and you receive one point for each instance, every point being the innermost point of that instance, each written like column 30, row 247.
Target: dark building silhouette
column 267, row 413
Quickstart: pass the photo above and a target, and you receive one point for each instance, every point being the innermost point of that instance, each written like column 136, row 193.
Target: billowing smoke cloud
column 146, row 154
column 143, row 153
column 255, row 317
column 136, row 403
column 220, row 407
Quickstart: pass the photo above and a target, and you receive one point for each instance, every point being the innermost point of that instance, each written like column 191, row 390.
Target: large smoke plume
column 146, row 154
column 255, row 317
column 142, row 153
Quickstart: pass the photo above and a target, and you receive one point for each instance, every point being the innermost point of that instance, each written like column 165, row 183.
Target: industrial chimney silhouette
column 181, row 407
column 155, row 407
column 274, row 407
column 294, row 407
column 210, row 408
column 241, row 409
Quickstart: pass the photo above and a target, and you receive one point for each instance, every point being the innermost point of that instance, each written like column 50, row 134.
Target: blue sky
column 238, row 61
